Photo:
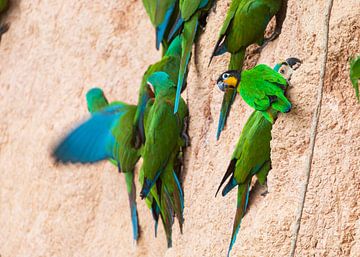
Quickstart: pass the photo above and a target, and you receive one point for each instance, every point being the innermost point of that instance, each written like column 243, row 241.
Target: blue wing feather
column 92, row 141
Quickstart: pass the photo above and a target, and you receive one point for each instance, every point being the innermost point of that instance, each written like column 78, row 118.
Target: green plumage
column 3, row 5
column 161, row 153
column 355, row 74
column 245, row 24
column 251, row 156
column 162, row 14
column 170, row 64
column 191, row 11
column 262, row 88
column 128, row 156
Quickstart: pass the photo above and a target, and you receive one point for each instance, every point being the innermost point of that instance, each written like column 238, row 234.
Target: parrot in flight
column 161, row 13
column 355, row 74
column 191, row 13
column 170, row 64
column 4, row 5
column 244, row 25
column 252, row 154
column 105, row 135
column 165, row 139
column 260, row 87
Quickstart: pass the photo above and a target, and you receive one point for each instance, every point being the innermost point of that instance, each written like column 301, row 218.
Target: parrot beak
column 294, row 63
column 221, row 85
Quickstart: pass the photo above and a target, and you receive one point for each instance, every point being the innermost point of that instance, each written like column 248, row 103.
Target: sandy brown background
column 56, row 50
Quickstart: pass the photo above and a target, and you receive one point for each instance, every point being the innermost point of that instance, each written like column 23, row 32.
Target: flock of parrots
column 156, row 128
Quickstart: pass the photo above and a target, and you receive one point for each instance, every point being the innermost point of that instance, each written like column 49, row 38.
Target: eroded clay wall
column 56, row 50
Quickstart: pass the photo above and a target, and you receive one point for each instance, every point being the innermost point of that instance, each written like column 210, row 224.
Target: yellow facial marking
column 231, row 82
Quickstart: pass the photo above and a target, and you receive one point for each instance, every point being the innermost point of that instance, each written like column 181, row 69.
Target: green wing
column 261, row 87
column 188, row 8
column 355, row 74
column 3, row 5
column 161, row 131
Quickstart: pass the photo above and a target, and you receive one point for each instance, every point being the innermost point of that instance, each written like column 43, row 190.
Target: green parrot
column 252, row 154
column 105, row 135
column 170, row 64
column 162, row 153
column 166, row 198
column 4, row 5
column 260, row 87
column 163, row 130
column 355, row 74
column 245, row 25
column 191, row 14
column 162, row 15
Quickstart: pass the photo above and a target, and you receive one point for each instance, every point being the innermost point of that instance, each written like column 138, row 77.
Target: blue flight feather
column 180, row 190
column 238, row 227
column 92, row 141
column 160, row 30
column 179, row 22
column 232, row 183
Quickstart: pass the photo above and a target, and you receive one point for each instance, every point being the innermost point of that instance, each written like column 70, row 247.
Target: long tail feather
column 188, row 37
column 129, row 177
column 160, row 30
column 242, row 202
column 229, row 171
column 226, row 104
column 177, row 25
column 178, row 202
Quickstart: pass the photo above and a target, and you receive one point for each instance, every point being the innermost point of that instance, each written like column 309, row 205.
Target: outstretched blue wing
column 91, row 141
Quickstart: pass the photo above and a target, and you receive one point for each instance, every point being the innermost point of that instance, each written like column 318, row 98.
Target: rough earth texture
column 56, row 50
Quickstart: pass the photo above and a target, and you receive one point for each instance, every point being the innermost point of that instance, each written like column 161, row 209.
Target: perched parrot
column 4, row 4
column 245, row 25
column 170, row 64
column 165, row 139
column 252, row 154
column 163, row 130
column 190, row 14
column 355, row 74
column 161, row 13
column 105, row 135
column 260, row 87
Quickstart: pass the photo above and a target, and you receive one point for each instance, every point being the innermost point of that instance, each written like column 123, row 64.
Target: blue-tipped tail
column 227, row 102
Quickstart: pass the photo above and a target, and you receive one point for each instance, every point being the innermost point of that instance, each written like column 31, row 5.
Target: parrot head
column 96, row 99
column 160, row 82
column 229, row 79
column 287, row 67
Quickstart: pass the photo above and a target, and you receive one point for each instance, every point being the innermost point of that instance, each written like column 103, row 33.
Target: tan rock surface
column 56, row 50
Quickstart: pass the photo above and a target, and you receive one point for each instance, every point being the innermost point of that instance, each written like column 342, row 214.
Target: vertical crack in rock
column 313, row 131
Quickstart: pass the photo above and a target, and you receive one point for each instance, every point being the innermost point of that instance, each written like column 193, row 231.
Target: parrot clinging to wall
column 165, row 138
column 260, row 87
column 244, row 25
column 105, row 135
column 4, row 4
column 355, row 74
column 252, row 154
column 190, row 14
column 161, row 13
column 170, row 64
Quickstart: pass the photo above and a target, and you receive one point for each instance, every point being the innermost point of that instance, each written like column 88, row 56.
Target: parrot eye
column 225, row 76
column 282, row 71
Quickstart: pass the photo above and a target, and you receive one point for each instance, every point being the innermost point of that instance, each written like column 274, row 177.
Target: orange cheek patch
column 231, row 82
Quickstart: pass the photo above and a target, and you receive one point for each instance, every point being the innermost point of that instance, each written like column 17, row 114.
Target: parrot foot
column 263, row 194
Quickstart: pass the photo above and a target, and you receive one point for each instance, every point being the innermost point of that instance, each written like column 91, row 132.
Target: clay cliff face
column 56, row 50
